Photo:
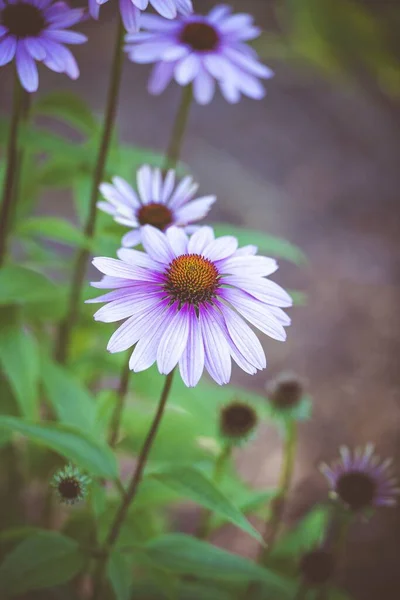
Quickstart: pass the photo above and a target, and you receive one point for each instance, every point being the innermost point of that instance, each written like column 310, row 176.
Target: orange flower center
column 155, row 214
column 191, row 278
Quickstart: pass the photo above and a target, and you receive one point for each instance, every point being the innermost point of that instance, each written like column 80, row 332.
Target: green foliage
column 42, row 560
column 93, row 456
column 69, row 108
column 19, row 360
column 19, row 285
column 190, row 482
column 120, row 575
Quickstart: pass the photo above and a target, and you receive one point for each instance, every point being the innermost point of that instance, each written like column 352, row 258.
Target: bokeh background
column 317, row 162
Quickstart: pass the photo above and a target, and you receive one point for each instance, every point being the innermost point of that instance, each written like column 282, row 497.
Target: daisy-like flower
column 185, row 301
column 131, row 10
column 70, row 484
column 35, row 30
column 159, row 202
column 201, row 50
column 360, row 480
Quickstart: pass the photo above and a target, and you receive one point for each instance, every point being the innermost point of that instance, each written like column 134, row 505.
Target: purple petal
column 115, row 197
column 218, row 13
column 248, row 63
column 138, row 259
column 3, row 30
column 147, row 52
column 27, row 69
column 183, row 192
column 66, row 37
column 173, row 342
column 230, row 91
column 66, row 18
column 8, row 47
column 194, row 211
column 35, row 48
column 130, row 15
column 191, row 364
column 262, row 289
column 178, row 240
column 117, row 268
column 130, row 304
column 156, row 245
column 185, row 7
column 217, row 356
column 160, row 77
column 141, row 4
column 94, row 9
column 251, row 265
column 132, row 238
column 166, row 8
column 134, row 328
column 244, row 338
column 200, row 240
column 203, row 87
column 156, row 23
column 221, row 248
column 140, row 288
column 108, row 282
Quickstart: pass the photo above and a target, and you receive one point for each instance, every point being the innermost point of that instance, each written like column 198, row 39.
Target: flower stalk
column 179, row 128
column 130, row 492
column 66, row 326
column 12, row 171
column 115, row 424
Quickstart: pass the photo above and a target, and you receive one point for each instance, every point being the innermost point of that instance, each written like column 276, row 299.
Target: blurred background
column 316, row 162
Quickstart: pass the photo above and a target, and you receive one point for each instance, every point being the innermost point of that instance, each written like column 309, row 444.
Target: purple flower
column 201, row 50
column 185, row 301
column 158, row 203
column 131, row 10
column 35, row 30
column 360, row 480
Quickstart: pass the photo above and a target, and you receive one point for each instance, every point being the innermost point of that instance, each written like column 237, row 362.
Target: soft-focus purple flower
column 158, row 202
column 35, row 30
column 201, row 50
column 186, row 301
column 360, row 480
column 131, row 10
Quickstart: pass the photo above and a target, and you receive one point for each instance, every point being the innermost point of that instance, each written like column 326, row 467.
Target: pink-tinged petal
column 221, row 248
column 183, row 193
column 126, row 191
column 255, row 312
column 200, row 240
column 246, row 250
column 156, row 245
column 166, row 8
column 144, row 183
column 248, row 63
column 130, row 15
column 145, row 353
column 173, row 342
column 168, row 186
column 35, row 48
column 134, row 328
column 117, row 268
column 136, row 288
column 178, row 240
column 26, row 68
column 187, row 69
column 8, row 47
column 138, row 259
column 108, row 282
column 217, row 355
column 160, row 77
column 130, row 304
column 244, row 338
column 132, row 238
column 203, row 87
column 262, row 289
column 191, row 364
column 250, row 265
column 194, row 210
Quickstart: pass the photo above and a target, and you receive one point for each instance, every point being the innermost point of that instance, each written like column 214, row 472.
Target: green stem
column 130, row 492
column 301, row 593
column 11, row 175
column 119, row 405
column 204, row 528
column 274, row 522
column 66, row 326
column 179, row 128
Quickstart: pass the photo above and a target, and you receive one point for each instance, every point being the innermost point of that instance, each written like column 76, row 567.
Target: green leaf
column 308, row 533
column 67, row 107
column 19, row 360
column 120, row 575
column 267, row 244
column 52, row 228
column 19, row 285
column 85, row 451
column 98, row 498
column 61, row 172
column 191, row 483
column 42, row 560
column 186, row 555
column 73, row 403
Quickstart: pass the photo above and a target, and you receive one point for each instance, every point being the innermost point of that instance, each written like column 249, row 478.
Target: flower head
column 70, row 484
column 237, row 421
column 317, row 566
column 185, row 301
column 158, row 203
column 35, row 30
column 360, row 480
column 201, row 50
column 131, row 10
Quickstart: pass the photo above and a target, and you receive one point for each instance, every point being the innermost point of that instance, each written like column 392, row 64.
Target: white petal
column 138, row 259
column 173, row 342
column 195, row 210
column 156, row 245
column 144, row 183
column 133, row 329
column 191, row 364
column 221, row 248
column 178, row 240
column 200, row 240
column 168, row 186
column 217, row 355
